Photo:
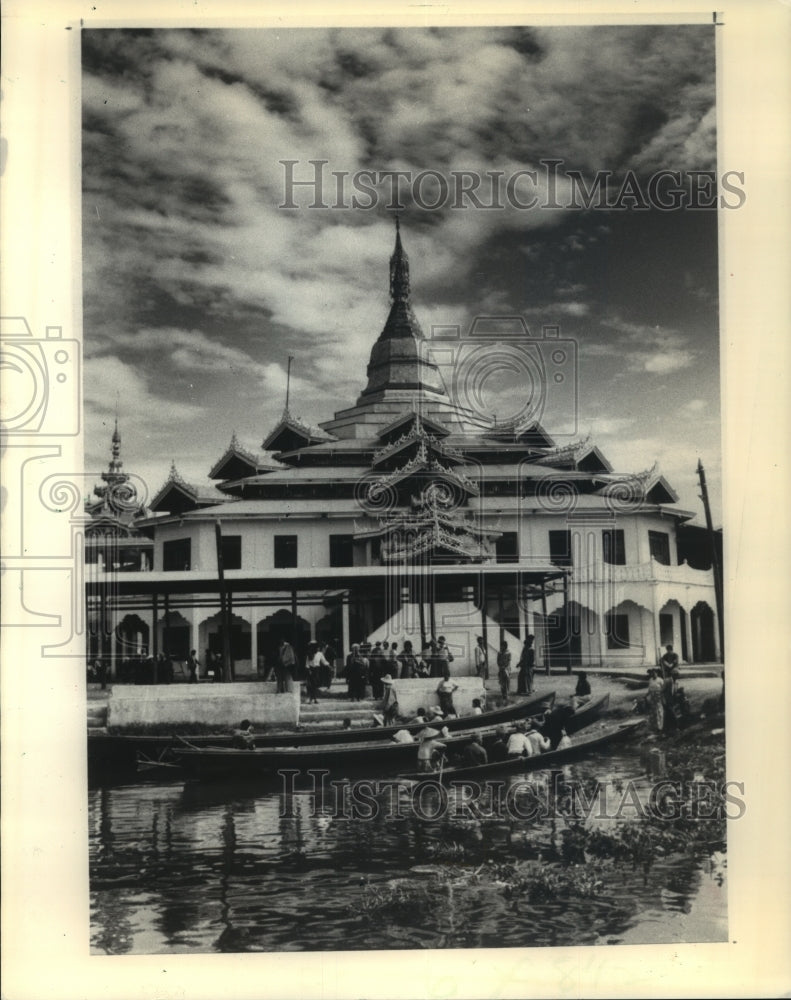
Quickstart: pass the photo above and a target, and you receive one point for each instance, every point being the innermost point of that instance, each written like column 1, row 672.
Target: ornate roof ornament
column 399, row 269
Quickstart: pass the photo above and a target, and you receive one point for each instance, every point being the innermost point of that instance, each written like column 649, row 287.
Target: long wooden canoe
column 123, row 750
column 597, row 740
column 374, row 757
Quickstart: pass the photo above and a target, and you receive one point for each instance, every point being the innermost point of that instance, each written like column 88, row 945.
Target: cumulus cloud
column 195, row 277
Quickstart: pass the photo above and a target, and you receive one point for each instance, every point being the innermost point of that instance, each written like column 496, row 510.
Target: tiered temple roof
column 406, row 433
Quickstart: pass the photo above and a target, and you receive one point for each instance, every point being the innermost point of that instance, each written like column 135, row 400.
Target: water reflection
column 198, row 868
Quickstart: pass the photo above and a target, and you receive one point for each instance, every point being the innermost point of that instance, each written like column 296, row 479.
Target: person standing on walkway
column 527, row 665
column 286, row 661
column 504, row 670
column 192, row 666
column 315, row 664
column 444, row 657
column 481, row 659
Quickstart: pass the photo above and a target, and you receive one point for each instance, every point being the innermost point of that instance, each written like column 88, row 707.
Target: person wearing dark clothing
column 443, row 658
column 408, row 662
column 286, row 662
column 243, row 738
column 356, row 673
column 192, row 666
column 474, row 752
column 376, row 670
column 582, row 691
column 445, row 695
column 555, row 722
column 499, row 749
column 527, row 664
column 669, row 662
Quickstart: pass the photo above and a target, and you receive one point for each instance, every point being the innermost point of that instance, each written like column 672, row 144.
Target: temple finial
column 399, row 269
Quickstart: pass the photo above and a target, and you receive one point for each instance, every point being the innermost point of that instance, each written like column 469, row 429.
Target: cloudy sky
column 198, row 284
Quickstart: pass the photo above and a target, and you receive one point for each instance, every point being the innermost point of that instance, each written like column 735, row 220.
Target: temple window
column 560, row 548
column 232, row 552
column 617, row 630
column 507, row 547
column 285, row 551
column 341, row 550
column 659, row 546
column 613, row 547
column 176, row 555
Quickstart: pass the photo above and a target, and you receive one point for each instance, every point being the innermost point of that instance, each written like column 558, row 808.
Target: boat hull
column 539, row 762
column 119, row 751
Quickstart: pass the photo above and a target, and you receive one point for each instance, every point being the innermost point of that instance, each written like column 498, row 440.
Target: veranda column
column 254, row 641
column 686, row 624
column 345, row 627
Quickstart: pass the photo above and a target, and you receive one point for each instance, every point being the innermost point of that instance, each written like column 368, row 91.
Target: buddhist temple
column 408, row 514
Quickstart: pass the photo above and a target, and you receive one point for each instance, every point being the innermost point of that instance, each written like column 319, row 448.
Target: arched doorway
column 702, row 622
column 281, row 625
column 673, row 628
column 210, row 641
column 562, row 640
column 330, row 629
column 132, row 640
column 131, row 637
column 174, row 635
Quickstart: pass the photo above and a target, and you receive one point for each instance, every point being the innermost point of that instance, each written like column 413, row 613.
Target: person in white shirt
column 518, row 745
column 538, row 743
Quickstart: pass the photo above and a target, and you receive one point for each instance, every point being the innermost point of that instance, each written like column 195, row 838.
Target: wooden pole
column 484, row 627
column 716, row 568
column 545, row 644
column 229, row 617
column 155, row 643
column 224, row 630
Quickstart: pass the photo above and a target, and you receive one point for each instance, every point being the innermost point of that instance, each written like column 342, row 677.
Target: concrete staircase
column 97, row 711
column 332, row 709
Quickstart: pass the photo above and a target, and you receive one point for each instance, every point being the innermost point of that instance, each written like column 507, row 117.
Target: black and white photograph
column 391, row 454
column 401, row 357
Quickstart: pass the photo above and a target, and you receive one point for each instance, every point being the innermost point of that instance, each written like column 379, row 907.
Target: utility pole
column 716, row 568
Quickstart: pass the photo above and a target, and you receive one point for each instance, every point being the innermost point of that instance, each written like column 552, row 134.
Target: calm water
column 191, row 868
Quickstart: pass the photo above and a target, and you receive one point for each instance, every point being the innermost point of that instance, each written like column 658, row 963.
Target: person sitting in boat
column 445, row 690
column 474, row 752
column 243, row 738
column 564, row 742
column 582, row 691
column 555, row 722
column 403, row 736
column 538, row 743
column 430, row 750
column 421, row 716
column 435, row 713
column 499, row 748
column 477, row 709
column 518, row 743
